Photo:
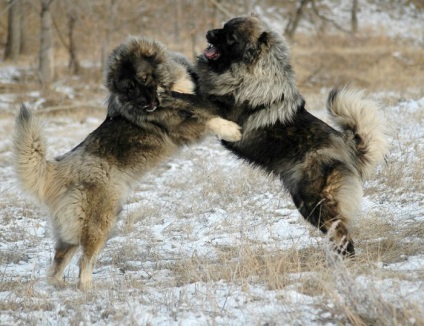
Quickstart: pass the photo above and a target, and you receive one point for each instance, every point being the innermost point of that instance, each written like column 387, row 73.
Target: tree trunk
column 354, row 16
column 13, row 43
column 177, row 23
column 294, row 21
column 25, row 33
column 73, row 65
column 113, row 7
column 193, row 33
column 46, row 68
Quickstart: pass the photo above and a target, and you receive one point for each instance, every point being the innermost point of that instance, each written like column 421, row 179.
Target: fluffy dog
column 246, row 71
column 85, row 188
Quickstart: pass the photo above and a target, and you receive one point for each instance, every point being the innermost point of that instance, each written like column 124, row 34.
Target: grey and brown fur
column 246, row 71
column 85, row 188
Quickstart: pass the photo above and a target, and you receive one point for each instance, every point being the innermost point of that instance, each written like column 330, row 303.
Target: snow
column 66, row 90
column 9, row 74
column 413, row 263
column 168, row 220
column 396, row 19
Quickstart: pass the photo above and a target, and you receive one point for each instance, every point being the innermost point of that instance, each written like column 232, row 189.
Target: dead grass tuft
column 359, row 301
column 245, row 264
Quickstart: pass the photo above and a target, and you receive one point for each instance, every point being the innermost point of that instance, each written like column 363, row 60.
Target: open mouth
column 151, row 106
column 147, row 102
column 212, row 52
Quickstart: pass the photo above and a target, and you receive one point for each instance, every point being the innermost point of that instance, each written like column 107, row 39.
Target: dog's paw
column 57, row 283
column 224, row 129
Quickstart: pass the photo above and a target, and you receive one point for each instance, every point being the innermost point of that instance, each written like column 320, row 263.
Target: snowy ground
column 201, row 236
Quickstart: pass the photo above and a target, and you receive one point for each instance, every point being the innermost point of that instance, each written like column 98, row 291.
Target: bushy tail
column 351, row 110
column 30, row 153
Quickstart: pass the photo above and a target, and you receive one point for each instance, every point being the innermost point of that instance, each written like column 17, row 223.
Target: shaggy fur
column 246, row 71
column 85, row 188
column 139, row 68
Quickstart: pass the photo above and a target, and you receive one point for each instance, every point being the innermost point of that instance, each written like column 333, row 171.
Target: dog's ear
column 251, row 53
column 263, row 38
column 253, row 50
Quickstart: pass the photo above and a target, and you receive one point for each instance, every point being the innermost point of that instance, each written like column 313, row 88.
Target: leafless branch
column 221, row 8
column 316, row 12
column 59, row 34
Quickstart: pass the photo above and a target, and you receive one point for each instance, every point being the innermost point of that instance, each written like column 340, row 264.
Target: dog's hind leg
column 63, row 255
column 102, row 216
column 91, row 249
column 342, row 196
column 324, row 215
column 329, row 203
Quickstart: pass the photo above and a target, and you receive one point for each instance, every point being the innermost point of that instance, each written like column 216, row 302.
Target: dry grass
column 314, row 272
column 361, row 303
column 376, row 63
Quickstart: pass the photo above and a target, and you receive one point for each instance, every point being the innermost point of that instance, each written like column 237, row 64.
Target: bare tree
column 325, row 19
column 294, row 21
column 177, row 22
column 354, row 16
column 72, row 17
column 110, row 27
column 46, row 66
column 221, row 8
column 25, row 31
column 13, row 43
column 314, row 8
column 71, row 9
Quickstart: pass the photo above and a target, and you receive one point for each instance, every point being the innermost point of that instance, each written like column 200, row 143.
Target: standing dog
column 85, row 188
column 246, row 71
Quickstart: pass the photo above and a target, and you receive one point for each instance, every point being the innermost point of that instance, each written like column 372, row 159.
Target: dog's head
column 131, row 74
column 135, row 70
column 248, row 63
column 133, row 86
column 241, row 40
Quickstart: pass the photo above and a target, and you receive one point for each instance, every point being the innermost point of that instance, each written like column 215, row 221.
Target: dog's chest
column 126, row 145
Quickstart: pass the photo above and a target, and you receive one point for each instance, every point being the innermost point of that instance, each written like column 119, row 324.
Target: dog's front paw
column 225, row 129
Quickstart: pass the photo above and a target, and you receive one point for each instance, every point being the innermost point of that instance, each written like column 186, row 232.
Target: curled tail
column 30, row 153
column 352, row 111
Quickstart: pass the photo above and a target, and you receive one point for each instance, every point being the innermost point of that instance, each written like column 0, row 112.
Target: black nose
column 141, row 101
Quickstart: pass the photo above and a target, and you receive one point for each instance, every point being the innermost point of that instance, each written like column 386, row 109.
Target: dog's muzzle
column 145, row 105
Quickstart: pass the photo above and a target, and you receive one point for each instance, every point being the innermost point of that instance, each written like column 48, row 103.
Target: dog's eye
column 125, row 85
column 130, row 89
column 130, row 86
column 231, row 39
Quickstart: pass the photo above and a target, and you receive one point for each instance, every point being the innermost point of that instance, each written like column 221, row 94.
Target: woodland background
column 74, row 37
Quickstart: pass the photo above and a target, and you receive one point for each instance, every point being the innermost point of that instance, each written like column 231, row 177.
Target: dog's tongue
column 212, row 53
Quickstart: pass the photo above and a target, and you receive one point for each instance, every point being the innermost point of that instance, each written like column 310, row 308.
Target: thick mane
column 268, row 83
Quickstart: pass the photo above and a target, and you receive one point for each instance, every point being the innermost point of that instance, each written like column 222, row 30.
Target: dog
column 246, row 71
column 85, row 188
